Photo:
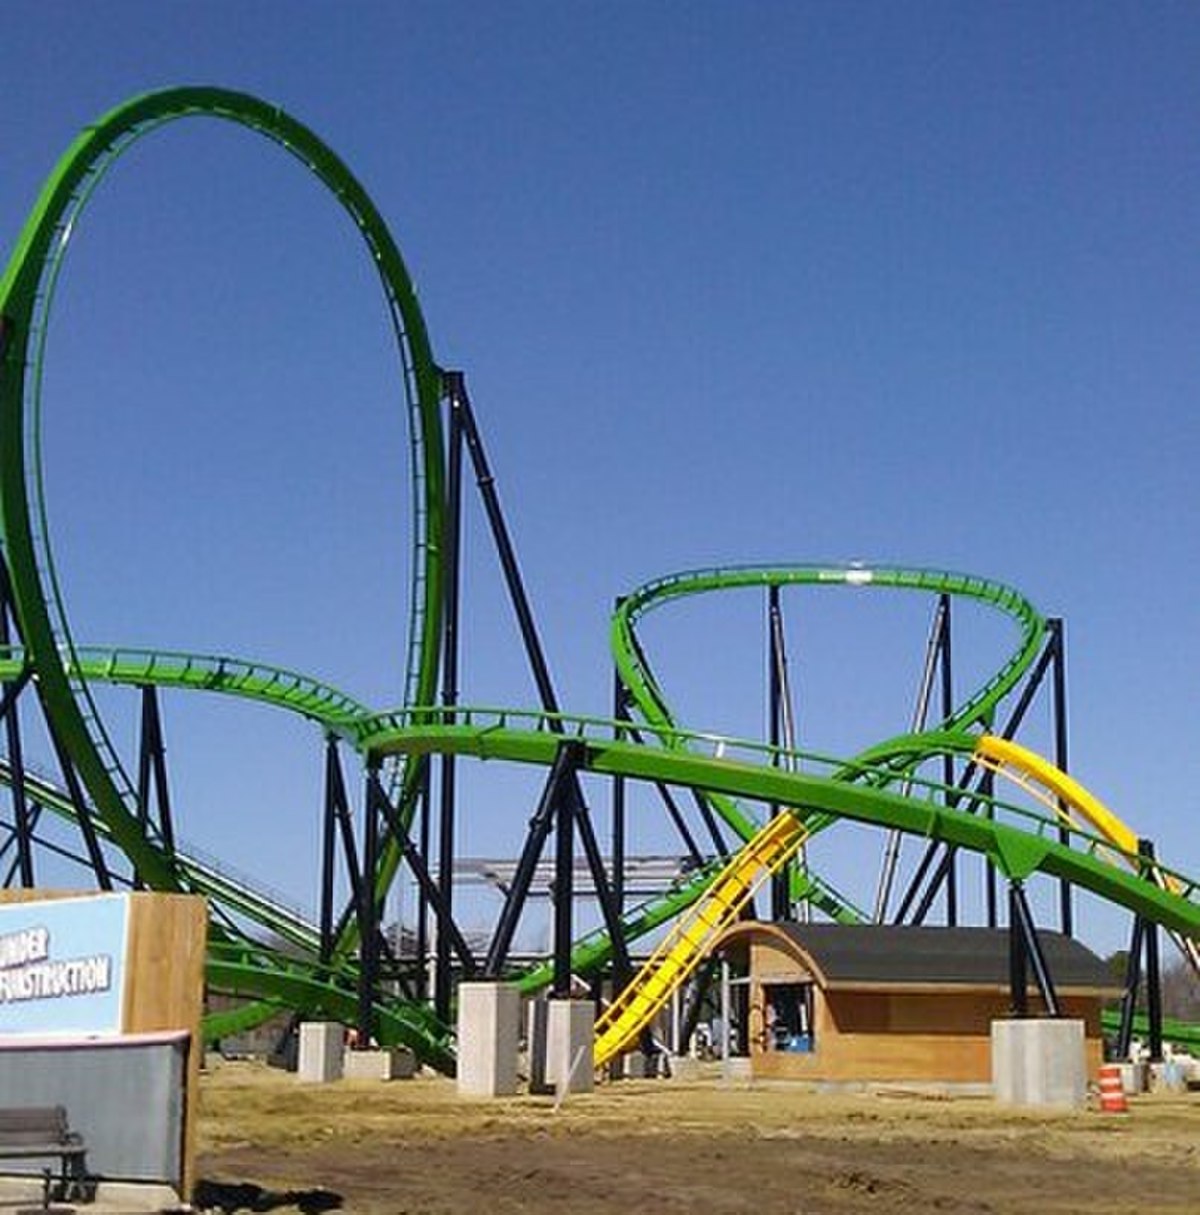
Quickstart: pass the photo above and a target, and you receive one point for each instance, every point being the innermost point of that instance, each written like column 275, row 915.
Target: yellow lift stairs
column 620, row 1026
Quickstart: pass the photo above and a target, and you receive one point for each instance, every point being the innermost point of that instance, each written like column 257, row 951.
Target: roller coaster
column 758, row 802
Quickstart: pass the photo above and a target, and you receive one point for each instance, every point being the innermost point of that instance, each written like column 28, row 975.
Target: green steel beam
column 1178, row 1033
column 1017, row 851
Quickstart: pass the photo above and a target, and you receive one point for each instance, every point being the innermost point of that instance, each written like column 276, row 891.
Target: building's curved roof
column 894, row 957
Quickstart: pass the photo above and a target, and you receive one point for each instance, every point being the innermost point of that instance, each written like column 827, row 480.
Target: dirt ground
column 416, row 1148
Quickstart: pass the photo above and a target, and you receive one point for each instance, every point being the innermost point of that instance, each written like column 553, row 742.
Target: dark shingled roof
column 875, row 955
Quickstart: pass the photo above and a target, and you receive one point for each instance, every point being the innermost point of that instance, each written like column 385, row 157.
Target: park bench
column 42, row 1132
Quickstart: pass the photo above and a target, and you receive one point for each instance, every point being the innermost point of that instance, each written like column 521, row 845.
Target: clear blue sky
column 745, row 282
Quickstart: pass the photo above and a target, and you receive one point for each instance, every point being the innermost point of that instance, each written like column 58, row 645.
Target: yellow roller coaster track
column 1066, row 796
column 681, row 951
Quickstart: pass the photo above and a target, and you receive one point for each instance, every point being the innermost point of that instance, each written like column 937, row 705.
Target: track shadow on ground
column 228, row 1197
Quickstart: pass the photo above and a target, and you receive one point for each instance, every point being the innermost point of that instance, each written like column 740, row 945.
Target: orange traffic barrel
column 1112, row 1091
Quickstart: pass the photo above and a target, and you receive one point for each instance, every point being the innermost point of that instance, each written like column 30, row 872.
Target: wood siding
column 895, row 1037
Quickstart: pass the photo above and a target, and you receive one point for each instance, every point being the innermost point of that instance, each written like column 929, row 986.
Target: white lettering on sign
column 27, row 973
column 28, row 945
column 48, row 980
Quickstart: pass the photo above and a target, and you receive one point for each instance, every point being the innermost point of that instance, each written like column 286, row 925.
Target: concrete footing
column 320, row 1055
column 537, row 1016
column 391, row 1063
column 1135, row 1078
column 635, row 1066
column 570, row 1035
column 1167, row 1077
column 489, row 1016
column 685, row 1067
column 1039, row 1062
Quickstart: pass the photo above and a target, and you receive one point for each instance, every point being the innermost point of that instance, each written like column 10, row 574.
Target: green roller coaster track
column 906, row 752
column 26, row 294
column 736, row 778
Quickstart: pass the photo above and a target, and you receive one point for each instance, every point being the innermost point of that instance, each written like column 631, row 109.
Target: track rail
column 26, row 293
column 739, row 779
column 1024, row 844
column 1066, row 796
column 906, row 752
column 637, row 677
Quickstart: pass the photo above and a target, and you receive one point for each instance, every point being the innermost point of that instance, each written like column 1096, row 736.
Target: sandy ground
column 416, row 1148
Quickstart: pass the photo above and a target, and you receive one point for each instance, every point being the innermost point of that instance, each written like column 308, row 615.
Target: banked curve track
column 862, row 789
column 902, row 754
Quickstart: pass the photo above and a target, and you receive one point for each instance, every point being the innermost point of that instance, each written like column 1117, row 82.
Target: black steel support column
column 1059, row 684
column 931, row 889
column 693, row 1006
column 609, row 908
column 1133, row 981
column 1018, row 979
column 12, row 691
column 152, row 770
column 686, row 838
column 1154, row 1026
column 1143, row 954
column 368, row 919
column 508, row 558
column 333, row 780
column 1018, row 982
column 617, row 843
column 21, row 821
column 781, row 901
column 443, row 976
column 947, row 672
column 1023, row 939
column 676, row 815
column 554, row 793
column 1154, row 1029
column 421, row 928
column 10, row 875
column 83, row 813
column 432, row 891
column 564, row 893
column 987, row 787
column 14, row 868
column 339, row 804
column 563, row 787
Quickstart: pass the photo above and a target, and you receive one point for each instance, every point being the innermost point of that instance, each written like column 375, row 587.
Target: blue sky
column 754, row 282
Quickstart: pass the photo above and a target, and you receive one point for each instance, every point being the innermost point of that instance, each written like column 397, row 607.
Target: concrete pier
column 1039, row 1062
column 390, row 1063
column 320, row 1055
column 569, row 1040
column 489, row 1016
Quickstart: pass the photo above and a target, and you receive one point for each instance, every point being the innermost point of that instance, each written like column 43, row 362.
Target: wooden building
column 878, row 1003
